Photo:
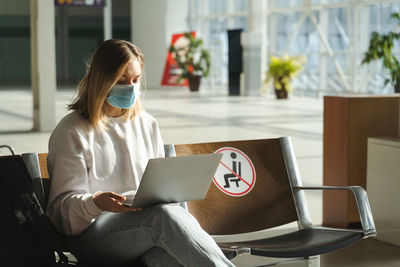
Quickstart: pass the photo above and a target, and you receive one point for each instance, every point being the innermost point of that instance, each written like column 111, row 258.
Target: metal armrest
column 9, row 148
column 32, row 164
column 169, row 150
column 364, row 209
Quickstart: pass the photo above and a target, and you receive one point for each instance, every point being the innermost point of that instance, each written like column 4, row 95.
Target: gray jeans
column 163, row 235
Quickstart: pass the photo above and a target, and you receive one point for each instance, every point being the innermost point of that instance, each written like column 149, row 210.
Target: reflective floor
column 186, row 117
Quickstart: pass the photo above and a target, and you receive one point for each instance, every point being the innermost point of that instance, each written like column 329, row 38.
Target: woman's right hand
column 110, row 201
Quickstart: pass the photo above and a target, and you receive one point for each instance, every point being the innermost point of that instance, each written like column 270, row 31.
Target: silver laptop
column 175, row 179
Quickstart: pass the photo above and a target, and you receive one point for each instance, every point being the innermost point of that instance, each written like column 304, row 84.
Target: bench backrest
column 269, row 203
column 261, row 198
column 45, row 175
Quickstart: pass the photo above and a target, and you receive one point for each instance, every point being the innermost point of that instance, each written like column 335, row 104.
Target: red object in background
column 171, row 70
column 80, row 3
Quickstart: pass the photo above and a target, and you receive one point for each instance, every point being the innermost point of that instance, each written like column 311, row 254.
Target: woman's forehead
column 133, row 68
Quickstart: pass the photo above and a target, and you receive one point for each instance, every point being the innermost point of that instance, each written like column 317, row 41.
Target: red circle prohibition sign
column 236, row 172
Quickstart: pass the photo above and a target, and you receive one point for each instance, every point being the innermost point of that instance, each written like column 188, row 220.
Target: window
column 332, row 34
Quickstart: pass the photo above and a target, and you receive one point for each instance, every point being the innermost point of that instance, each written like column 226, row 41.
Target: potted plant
column 282, row 70
column 381, row 47
column 192, row 59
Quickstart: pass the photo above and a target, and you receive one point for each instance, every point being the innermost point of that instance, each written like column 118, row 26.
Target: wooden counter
column 348, row 122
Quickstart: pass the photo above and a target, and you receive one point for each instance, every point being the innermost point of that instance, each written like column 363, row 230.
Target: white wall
column 152, row 24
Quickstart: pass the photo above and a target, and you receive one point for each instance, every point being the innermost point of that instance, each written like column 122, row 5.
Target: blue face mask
column 124, row 95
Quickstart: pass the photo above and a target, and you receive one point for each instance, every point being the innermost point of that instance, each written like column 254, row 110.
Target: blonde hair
column 106, row 67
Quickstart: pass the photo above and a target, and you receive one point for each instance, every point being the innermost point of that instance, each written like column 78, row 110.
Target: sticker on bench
column 236, row 175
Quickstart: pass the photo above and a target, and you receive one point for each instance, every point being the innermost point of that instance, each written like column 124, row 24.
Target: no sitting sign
column 236, row 175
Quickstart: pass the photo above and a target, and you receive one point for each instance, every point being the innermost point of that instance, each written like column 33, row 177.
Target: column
column 323, row 53
column 353, row 50
column 62, row 44
column 363, row 42
column 151, row 31
column 43, row 64
column 254, row 48
column 107, row 20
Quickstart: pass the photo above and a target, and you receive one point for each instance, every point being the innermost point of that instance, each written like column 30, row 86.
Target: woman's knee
column 168, row 209
column 169, row 212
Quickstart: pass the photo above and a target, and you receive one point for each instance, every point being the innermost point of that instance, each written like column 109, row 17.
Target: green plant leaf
column 282, row 70
column 381, row 48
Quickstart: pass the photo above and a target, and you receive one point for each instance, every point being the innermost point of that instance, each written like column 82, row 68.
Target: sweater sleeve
column 70, row 207
column 159, row 143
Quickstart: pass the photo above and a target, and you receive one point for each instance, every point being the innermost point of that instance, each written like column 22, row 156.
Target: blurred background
column 331, row 34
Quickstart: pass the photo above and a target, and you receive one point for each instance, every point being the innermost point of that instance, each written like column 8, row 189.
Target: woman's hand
column 110, row 201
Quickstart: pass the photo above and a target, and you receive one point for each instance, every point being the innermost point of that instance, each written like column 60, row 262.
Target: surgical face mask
column 124, row 95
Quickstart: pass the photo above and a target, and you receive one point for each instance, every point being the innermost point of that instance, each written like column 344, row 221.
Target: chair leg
column 313, row 261
column 259, row 261
column 299, row 262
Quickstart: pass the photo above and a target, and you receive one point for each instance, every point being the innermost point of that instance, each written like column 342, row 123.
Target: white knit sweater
column 82, row 161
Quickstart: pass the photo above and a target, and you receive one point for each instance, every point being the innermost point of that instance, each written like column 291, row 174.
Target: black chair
column 276, row 198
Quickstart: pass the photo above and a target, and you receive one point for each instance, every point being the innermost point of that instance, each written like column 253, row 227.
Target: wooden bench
column 44, row 174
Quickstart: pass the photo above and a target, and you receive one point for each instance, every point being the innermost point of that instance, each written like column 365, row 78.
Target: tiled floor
column 186, row 117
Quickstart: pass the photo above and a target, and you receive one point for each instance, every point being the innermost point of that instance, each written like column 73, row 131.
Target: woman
column 99, row 151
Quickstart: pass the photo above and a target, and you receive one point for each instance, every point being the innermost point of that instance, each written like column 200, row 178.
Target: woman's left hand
column 110, row 201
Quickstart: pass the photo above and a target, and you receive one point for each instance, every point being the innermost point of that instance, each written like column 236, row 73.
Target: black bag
column 28, row 236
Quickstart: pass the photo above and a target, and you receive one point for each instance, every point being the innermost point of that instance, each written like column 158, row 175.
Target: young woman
column 99, row 151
